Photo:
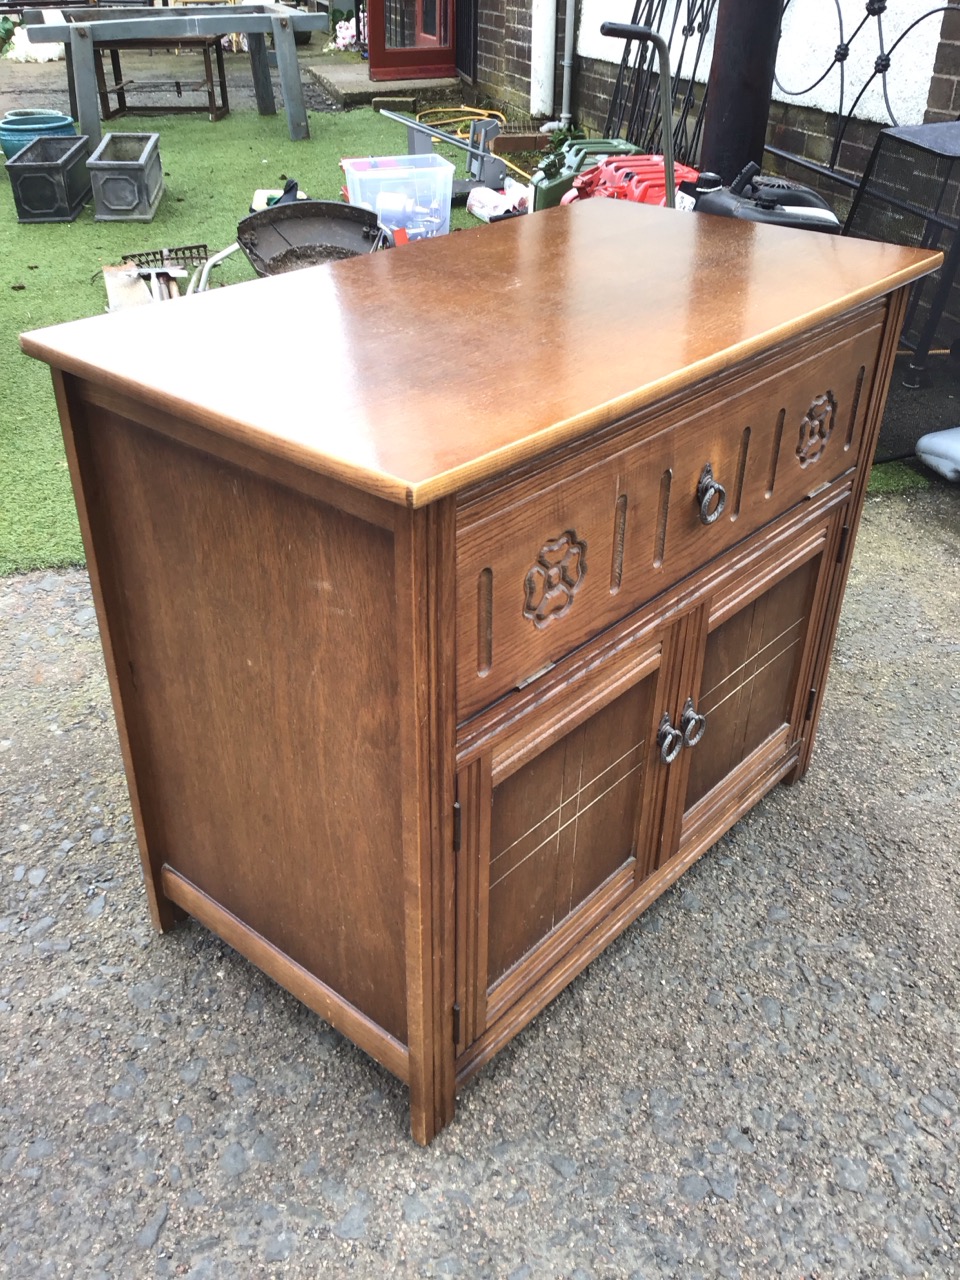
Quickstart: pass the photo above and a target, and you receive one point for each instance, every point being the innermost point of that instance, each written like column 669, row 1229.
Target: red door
column 410, row 39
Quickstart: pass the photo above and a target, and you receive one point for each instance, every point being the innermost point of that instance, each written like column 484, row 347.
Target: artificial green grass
column 50, row 273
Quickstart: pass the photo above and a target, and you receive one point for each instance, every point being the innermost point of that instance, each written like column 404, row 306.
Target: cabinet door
column 745, row 726
column 578, row 808
column 558, row 827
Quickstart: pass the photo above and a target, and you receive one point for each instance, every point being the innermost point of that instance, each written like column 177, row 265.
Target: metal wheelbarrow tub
column 304, row 233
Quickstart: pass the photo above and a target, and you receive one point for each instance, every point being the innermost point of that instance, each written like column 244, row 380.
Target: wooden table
column 209, row 48
column 436, row 662
column 82, row 30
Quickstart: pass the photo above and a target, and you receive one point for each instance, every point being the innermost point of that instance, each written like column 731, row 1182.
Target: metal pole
column 741, row 80
column 631, row 31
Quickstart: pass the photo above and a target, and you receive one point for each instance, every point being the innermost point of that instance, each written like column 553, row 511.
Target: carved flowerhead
column 552, row 582
column 816, row 428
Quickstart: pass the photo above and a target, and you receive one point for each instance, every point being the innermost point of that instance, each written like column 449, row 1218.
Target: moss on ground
column 898, row 477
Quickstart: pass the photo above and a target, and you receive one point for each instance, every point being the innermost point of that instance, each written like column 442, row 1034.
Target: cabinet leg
column 429, row 1112
column 164, row 914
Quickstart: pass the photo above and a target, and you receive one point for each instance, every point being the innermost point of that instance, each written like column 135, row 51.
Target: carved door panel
column 755, row 688
column 557, row 828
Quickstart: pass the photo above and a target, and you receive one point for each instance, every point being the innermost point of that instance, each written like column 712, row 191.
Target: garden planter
column 18, row 128
column 50, row 180
column 127, row 177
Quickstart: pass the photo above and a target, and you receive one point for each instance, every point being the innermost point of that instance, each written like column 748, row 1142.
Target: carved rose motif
column 553, row 581
column 816, row 427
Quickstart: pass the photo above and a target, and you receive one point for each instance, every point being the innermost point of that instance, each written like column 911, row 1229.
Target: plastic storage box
column 407, row 193
column 50, row 180
column 127, row 177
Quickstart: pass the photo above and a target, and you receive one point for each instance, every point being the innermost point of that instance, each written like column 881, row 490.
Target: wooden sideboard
column 455, row 599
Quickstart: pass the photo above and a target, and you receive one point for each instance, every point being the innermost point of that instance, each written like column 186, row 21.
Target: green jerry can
column 554, row 178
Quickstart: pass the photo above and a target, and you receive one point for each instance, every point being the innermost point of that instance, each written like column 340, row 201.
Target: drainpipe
column 543, row 56
column 569, row 32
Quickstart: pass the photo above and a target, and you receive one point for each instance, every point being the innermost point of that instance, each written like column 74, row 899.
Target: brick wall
column 943, row 102
column 810, row 134
column 593, row 87
column 503, row 55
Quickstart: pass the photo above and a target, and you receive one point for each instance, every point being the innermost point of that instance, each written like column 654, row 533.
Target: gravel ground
column 759, row 1079
column 44, row 84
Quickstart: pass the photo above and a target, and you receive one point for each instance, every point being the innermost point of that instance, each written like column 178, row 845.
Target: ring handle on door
column 669, row 740
column 692, row 724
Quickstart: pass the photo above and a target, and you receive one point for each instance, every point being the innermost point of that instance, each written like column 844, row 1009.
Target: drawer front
column 552, row 559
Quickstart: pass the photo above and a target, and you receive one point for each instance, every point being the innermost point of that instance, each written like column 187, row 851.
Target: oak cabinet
column 432, row 671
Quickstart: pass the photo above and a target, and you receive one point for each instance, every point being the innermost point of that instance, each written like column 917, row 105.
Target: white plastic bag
column 21, row 50
column 484, row 203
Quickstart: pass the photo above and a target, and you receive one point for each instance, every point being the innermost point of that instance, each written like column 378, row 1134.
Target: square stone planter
column 50, row 180
column 127, row 177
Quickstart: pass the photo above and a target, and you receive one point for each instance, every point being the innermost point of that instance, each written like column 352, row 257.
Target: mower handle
column 645, row 35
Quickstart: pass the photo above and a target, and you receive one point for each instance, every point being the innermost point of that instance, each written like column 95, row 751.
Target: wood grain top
column 413, row 373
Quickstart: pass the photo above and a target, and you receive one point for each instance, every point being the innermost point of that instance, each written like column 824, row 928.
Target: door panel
column 560, row 808
column 759, row 667
column 750, row 672
column 564, row 823
column 407, row 39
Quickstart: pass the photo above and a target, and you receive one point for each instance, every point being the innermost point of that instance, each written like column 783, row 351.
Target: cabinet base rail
column 316, row 995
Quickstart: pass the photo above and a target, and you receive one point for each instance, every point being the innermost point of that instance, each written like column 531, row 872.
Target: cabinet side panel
column 259, row 628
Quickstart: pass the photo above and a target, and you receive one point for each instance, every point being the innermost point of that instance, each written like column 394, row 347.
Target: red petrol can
column 638, row 178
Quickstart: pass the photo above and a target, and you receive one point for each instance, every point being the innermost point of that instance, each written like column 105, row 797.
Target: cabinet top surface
column 413, row 373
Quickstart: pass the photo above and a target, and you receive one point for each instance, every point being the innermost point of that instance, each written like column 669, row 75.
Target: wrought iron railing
column 899, row 190
column 634, row 110
column 885, row 64
column 933, row 319
column 635, row 103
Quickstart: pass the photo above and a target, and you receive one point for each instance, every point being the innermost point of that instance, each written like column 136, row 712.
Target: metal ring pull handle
column 669, row 740
column 711, row 495
column 693, row 724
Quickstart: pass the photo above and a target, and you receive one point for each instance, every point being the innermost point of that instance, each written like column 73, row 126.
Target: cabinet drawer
column 550, row 560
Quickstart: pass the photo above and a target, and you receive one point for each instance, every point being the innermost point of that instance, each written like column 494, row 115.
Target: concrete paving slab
column 349, row 84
